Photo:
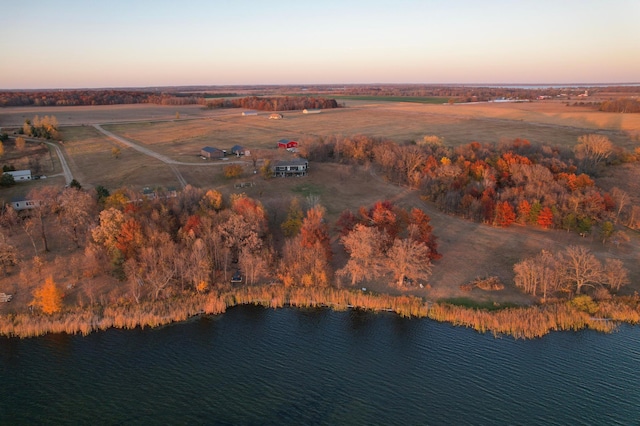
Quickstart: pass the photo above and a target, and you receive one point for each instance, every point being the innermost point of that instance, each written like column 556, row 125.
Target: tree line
column 274, row 103
column 117, row 97
column 624, row 105
column 511, row 182
column 195, row 241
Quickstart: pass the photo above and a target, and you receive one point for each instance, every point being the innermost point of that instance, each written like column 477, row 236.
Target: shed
column 245, row 113
column 311, row 111
column 240, row 150
column 19, row 175
column 209, row 152
column 287, row 144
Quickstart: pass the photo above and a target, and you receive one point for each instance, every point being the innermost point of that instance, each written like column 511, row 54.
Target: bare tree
column 44, row 199
column 408, row 259
column 8, row 218
column 621, row 199
column 254, row 265
column 592, row 149
column 158, row 264
column 77, row 209
column 198, row 264
column 8, row 256
column 580, row 268
column 539, row 274
column 615, row 274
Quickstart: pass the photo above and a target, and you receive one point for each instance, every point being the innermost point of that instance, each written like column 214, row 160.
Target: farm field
column 551, row 123
column 470, row 250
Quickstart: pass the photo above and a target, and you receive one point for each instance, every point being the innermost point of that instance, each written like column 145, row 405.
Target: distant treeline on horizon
column 203, row 94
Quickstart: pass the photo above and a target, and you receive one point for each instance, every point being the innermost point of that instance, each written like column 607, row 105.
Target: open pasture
column 100, row 114
column 89, row 154
column 551, row 123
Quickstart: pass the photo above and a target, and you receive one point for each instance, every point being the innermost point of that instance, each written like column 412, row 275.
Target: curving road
column 146, row 151
column 66, row 171
column 63, row 162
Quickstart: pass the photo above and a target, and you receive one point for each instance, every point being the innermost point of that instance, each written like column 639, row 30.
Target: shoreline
column 518, row 322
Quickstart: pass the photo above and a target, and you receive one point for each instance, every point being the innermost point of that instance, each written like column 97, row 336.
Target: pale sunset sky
column 148, row 43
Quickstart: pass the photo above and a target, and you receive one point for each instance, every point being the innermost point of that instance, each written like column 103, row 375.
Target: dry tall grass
column 524, row 322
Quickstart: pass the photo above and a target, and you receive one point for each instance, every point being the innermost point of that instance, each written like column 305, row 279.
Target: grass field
column 470, row 250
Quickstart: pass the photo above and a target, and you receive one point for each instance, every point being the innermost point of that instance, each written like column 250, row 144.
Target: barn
column 287, row 144
column 209, row 152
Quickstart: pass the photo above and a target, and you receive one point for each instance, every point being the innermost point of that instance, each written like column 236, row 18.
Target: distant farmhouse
column 311, row 111
column 246, row 113
column 20, row 175
column 240, row 150
column 209, row 152
column 287, row 144
column 294, row 167
column 276, row 116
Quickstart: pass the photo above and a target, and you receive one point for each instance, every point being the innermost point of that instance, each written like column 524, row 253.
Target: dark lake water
column 303, row 367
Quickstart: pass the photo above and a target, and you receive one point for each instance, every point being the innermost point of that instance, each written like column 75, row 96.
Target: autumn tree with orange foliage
column 130, row 238
column 505, row 215
column 251, row 210
column 420, row 230
column 524, row 210
column 303, row 265
column 364, row 245
column 314, row 231
column 48, row 297
column 545, row 218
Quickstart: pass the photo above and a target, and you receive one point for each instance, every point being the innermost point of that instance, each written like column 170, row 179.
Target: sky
column 150, row 43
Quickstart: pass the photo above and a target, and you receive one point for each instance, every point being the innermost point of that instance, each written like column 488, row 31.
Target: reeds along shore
column 521, row 322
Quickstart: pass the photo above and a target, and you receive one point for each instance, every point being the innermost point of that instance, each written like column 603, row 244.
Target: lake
column 260, row 366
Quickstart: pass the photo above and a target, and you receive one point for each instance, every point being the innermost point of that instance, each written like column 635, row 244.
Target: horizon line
column 493, row 85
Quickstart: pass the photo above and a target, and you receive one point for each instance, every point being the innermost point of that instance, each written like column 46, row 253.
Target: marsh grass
column 518, row 322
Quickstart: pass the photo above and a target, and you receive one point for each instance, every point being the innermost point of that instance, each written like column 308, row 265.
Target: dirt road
column 169, row 161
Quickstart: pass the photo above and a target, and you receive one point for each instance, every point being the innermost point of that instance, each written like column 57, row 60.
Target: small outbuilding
column 287, row 144
column 246, row 113
column 209, row 152
column 240, row 150
column 294, row 167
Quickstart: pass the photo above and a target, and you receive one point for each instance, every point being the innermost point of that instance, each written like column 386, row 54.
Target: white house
column 19, row 175
column 24, row 204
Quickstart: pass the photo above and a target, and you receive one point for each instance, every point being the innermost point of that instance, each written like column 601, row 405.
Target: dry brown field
column 79, row 115
column 470, row 250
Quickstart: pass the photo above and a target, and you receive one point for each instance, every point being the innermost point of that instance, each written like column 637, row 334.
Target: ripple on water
column 315, row 366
